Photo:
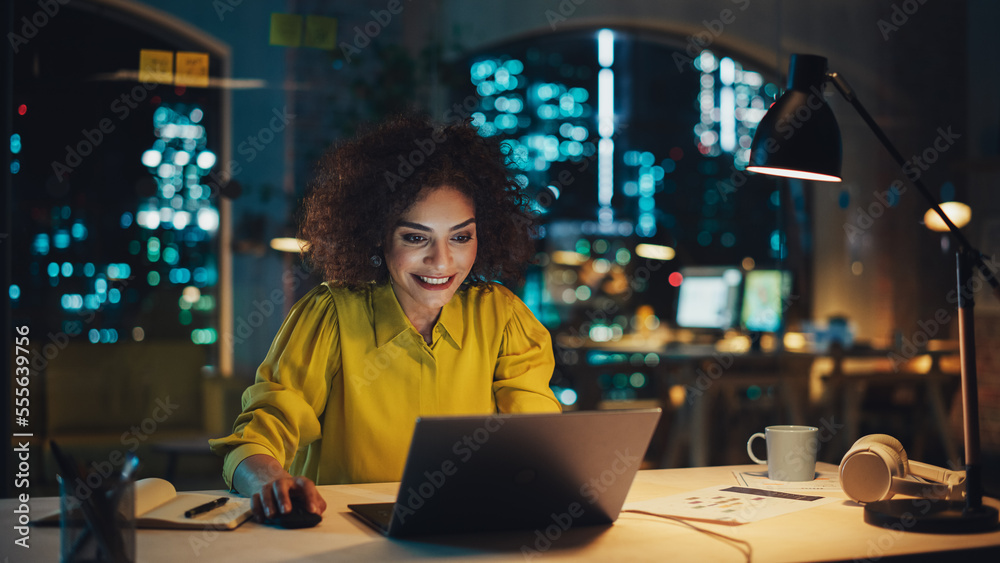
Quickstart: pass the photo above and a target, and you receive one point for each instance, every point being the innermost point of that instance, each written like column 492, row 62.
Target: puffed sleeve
column 524, row 367
column 281, row 409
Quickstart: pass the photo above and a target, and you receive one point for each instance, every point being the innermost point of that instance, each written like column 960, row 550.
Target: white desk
column 831, row 532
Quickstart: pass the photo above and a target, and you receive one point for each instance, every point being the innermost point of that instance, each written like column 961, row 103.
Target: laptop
column 525, row 471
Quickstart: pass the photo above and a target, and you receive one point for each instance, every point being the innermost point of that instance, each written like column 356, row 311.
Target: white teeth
column 434, row 281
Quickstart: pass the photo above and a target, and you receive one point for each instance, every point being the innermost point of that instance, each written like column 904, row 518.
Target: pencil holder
column 97, row 520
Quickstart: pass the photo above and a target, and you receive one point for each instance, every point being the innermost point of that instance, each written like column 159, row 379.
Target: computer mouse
column 298, row 517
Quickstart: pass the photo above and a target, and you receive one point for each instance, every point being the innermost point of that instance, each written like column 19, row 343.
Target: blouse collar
column 391, row 321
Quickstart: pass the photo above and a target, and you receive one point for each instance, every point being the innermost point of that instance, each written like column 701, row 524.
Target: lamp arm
column 848, row 93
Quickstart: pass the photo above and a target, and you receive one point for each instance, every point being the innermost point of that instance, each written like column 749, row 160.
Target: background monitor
column 765, row 293
column 708, row 297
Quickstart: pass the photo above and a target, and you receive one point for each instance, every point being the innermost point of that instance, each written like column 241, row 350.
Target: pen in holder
column 96, row 514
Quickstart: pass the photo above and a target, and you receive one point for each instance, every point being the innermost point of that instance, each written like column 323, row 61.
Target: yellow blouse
column 338, row 394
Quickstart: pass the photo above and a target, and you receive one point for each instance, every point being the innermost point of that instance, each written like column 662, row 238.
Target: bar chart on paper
column 824, row 481
column 727, row 504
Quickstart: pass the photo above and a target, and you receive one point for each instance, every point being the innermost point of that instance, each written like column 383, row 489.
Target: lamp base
column 931, row 516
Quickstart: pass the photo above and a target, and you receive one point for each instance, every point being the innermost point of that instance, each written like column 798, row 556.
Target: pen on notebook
column 201, row 509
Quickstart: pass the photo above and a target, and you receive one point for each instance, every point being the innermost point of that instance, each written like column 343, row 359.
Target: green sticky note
column 321, row 32
column 286, row 30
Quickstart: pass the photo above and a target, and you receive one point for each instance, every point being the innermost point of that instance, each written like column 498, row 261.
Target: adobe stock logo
column 435, row 480
column 913, row 168
column 566, row 9
column 714, row 28
column 589, row 490
column 122, row 107
column 409, row 164
column 363, row 37
column 899, row 17
column 30, row 27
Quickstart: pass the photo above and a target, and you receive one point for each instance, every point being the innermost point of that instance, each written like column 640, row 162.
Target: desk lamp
column 798, row 137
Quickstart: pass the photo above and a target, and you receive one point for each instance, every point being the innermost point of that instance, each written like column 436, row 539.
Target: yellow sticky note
column 156, row 66
column 321, row 32
column 192, row 69
column 286, row 30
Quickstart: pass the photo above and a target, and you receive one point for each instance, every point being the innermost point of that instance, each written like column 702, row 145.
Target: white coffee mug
column 791, row 452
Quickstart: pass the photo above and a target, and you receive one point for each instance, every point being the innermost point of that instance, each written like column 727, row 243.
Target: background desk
column 834, row 531
column 707, row 379
column 809, row 387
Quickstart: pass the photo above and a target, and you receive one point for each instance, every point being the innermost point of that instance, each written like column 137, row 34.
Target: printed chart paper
column 824, row 481
column 726, row 504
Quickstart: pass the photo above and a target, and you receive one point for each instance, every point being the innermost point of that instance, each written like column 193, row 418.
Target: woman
column 410, row 225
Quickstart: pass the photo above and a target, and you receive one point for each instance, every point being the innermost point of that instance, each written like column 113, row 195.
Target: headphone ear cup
column 867, row 469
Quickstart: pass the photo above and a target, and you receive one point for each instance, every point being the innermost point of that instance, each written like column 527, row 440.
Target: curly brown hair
column 364, row 185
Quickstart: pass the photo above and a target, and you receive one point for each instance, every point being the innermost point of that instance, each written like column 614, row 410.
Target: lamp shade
column 959, row 213
column 799, row 137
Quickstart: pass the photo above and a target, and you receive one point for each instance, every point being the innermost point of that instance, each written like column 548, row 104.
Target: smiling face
column 430, row 251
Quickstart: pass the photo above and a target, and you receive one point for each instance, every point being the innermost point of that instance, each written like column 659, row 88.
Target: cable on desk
column 749, row 549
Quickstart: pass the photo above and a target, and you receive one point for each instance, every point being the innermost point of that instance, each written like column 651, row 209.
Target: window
column 623, row 145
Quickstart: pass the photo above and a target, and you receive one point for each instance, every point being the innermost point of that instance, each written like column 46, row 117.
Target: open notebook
column 159, row 505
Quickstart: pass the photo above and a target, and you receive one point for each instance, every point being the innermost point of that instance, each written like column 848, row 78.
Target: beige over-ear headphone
column 876, row 468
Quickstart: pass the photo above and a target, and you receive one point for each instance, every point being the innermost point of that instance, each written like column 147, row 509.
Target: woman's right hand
column 275, row 497
column 271, row 488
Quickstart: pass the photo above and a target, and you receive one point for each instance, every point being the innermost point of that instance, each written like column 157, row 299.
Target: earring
column 376, row 260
